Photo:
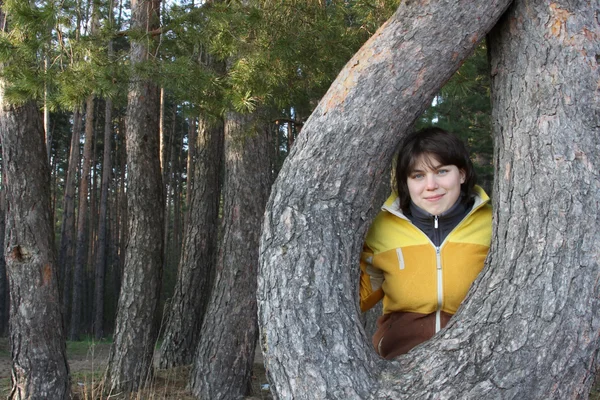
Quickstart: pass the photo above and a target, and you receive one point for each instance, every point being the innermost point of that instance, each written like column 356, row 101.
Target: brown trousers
column 398, row 332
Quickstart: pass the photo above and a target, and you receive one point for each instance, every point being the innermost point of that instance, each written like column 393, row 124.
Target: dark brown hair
column 441, row 145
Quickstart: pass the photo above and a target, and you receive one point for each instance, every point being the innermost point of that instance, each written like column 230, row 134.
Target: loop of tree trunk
column 539, row 282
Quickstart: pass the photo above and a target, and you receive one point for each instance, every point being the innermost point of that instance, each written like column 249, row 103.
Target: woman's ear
column 463, row 176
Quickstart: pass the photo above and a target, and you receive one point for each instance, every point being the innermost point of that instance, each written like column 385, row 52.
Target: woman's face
column 434, row 187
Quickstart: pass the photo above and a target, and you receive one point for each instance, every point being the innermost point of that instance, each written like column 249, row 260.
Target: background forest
column 262, row 64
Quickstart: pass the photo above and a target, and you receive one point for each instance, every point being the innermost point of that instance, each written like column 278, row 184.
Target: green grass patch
column 4, row 347
column 84, row 347
column 4, row 387
column 87, row 348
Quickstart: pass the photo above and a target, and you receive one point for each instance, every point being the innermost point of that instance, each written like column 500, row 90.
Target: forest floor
column 87, row 363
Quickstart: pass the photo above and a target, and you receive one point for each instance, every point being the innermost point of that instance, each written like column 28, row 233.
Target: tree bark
column 323, row 202
column 163, row 136
column 66, row 253
column 541, row 292
column 39, row 363
column 167, row 176
column 130, row 361
column 194, row 279
column 223, row 361
column 82, row 224
column 100, row 264
column 170, row 184
column 47, row 131
column 119, row 227
column 177, row 198
column 3, row 277
column 192, row 136
column 122, row 221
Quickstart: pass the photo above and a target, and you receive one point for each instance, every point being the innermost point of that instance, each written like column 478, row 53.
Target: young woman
column 427, row 245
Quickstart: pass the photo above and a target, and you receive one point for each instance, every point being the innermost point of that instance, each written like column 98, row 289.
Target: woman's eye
column 442, row 171
column 417, row 176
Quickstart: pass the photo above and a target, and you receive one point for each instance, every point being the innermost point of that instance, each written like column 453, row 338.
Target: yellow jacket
column 402, row 266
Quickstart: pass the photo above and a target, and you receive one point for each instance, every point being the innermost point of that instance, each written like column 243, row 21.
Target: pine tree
column 130, row 361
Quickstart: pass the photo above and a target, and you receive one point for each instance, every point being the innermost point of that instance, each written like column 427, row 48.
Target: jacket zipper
column 440, row 287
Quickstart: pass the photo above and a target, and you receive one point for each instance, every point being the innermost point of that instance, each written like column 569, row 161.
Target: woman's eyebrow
column 432, row 167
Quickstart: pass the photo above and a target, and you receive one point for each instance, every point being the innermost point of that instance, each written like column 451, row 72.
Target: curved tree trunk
column 323, row 202
column 196, row 266
column 130, row 361
column 542, row 288
column 223, row 361
column 529, row 326
column 82, row 224
column 39, row 363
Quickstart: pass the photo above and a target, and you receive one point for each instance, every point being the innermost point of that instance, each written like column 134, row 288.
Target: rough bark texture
column 3, row 277
column 82, row 224
column 177, row 198
column 101, row 247
column 542, row 290
column 130, row 361
column 323, row 202
column 39, row 363
column 122, row 222
column 192, row 139
column 225, row 354
column 66, row 253
column 196, row 266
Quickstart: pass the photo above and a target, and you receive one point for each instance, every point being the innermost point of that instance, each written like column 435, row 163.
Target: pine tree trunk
column 54, row 190
column 82, row 224
column 223, row 361
column 324, row 200
column 123, row 230
column 192, row 135
column 39, row 363
column 542, row 284
column 90, row 270
column 170, row 190
column 167, row 176
column 3, row 277
column 67, row 242
column 194, row 279
column 163, row 136
column 118, row 216
column 100, row 264
column 130, row 361
column 88, row 298
column 177, row 218
column 47, row 131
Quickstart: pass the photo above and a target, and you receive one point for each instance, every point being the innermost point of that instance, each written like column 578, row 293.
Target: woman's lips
column 434, row 198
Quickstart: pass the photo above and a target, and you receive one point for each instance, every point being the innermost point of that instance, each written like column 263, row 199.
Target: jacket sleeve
column 371, row 280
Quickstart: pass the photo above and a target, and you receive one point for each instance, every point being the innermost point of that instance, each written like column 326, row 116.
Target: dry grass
column 168, row 384
column 87, row 362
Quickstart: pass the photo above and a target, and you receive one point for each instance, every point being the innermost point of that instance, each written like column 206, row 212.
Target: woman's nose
column 431, row 182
